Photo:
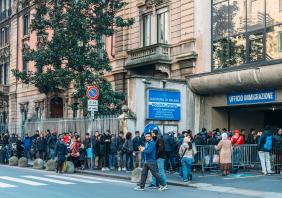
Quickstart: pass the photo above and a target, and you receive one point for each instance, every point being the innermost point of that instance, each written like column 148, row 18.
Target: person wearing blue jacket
column 264, row 152
column 150, row 164
column 27, row 143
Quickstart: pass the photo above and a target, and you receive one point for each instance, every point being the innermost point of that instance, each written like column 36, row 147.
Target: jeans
column 112, row 161
column 60, row 164
column 51, row 153
column 120, row 159
column 161, row 169
column 137, row 159
column 153, row 168
column 265, row 162
column 186, row 167
column 27, row 154
column 170, row 160
column 128, row 161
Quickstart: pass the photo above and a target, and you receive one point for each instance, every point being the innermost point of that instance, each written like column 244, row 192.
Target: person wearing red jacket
column 237, row 138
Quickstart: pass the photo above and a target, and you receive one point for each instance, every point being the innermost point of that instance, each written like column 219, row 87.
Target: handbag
column 179, row 160
column 65, row 167
column 215, row 159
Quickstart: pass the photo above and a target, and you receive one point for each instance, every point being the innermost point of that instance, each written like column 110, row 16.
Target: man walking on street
column 160, row 153
column 150, row 164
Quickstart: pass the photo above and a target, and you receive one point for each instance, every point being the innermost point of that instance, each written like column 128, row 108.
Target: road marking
column 244, row 177
column 74, row 179
column 101, row 179
column 240, row 191
column 23, row 181
column 3, row 185
column 48, row 180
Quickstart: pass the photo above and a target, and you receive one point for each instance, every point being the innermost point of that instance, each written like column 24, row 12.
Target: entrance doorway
column 248, row 116
column 56, row 107
column 273, row 118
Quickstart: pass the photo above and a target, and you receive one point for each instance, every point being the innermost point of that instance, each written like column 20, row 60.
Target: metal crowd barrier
column 243, row 156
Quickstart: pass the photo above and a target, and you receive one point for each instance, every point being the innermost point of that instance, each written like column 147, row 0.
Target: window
column 2, row 37
column 25, row 25
column 101, row 45
column 4, row 73
column 147, row 30
column 280, row 41
column 162, row 21
column 6, row 35
column 25, row 69
column 245, row 31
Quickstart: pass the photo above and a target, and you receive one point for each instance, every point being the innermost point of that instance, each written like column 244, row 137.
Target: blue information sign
column 251, row 97
column 150, row 127
column 163, row 104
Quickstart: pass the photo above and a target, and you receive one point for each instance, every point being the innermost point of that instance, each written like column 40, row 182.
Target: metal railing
column 243, row 156
column 82, row 126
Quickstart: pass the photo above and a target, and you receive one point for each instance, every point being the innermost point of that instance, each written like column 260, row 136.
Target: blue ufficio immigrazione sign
column 251, row 97
column 163, row 104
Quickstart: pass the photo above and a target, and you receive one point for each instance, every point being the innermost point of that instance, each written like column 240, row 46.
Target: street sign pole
column 92, row 94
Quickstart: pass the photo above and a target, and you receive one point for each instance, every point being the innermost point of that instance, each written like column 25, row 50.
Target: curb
column 128, row 178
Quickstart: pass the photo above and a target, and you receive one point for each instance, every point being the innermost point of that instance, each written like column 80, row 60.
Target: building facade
column 242, row 86
column 226, row 54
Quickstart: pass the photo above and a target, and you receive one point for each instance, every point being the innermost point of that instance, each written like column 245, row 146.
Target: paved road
column 22, row 183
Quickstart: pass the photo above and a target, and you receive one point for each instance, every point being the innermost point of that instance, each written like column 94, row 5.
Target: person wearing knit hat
column 225, row 151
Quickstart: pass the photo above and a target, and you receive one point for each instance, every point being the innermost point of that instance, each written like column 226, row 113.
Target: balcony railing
column 157, row 53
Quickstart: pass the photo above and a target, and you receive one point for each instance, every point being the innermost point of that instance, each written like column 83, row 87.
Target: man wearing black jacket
column 60, row 152
column 105, row 149
column 161, row 155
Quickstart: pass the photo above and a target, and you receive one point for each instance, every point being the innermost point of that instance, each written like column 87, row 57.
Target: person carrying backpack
column 264, row 149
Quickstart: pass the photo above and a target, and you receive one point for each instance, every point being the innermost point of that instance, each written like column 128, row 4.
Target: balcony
column 149, row 55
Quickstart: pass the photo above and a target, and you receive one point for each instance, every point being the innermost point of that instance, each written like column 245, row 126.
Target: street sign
column 92, row 105
column 92, row 108
column 92, row 102
column 92, row 93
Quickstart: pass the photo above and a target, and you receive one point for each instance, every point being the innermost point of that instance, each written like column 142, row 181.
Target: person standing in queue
column 60, row 153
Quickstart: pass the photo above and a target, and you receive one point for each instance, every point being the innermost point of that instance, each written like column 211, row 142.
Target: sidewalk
column 243, row 179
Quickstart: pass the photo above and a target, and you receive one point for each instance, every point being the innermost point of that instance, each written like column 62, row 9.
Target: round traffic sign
column 93, row 93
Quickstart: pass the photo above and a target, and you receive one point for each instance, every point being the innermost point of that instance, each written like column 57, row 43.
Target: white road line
column 73, row 179
column 240, row 191
column 48, row 180
column 4, row 185
column 101, row 179
column 244, row 177
column 23, row 181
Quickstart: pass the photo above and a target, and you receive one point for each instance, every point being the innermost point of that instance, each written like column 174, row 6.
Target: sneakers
column 103, row 169
column 138, row 188
column 123, row 169
column 152, row 186
column 163, row 188
column 119, row 168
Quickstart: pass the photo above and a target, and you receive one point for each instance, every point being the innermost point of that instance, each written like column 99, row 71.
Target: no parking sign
column 92, row 93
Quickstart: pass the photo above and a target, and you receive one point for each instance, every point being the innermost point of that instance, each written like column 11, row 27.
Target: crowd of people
column 125, row 152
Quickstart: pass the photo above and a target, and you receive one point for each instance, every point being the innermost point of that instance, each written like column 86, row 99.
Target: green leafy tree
column 70, row 48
